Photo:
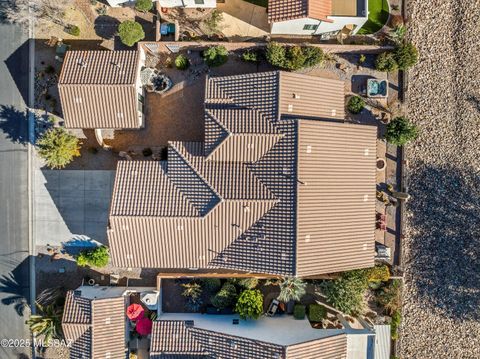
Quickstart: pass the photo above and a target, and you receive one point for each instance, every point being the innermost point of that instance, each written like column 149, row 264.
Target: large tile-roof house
column 94, row 326
column 281, row 185
column 314, row 17
column 101, row 89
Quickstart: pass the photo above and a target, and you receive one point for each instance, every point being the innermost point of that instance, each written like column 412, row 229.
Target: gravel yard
column 442, row 245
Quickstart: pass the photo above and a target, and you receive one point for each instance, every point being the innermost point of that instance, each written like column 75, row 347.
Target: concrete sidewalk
column 71, row 205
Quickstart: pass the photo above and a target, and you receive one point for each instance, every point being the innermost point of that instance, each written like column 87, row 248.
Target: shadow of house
column 475, row 101
column 18, row 65
column 14, row 286
column 445, row 247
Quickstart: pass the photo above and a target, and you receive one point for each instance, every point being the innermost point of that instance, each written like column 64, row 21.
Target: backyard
column 378, row 12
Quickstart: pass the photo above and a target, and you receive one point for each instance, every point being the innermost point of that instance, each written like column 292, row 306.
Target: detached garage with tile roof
column 100, row 89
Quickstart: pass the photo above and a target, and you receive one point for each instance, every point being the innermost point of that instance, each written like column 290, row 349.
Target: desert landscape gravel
column 442, row 245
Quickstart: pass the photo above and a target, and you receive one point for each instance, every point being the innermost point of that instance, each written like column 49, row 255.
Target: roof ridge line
column 195, row 169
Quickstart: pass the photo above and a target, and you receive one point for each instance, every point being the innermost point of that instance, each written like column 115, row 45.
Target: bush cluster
column 211, row 284
column 395, row 324
column 355, row 104
column 215, row 55
column 192, row 291
column 390, row 296
column 293, row 57
column 97, row 257
column 403, row 57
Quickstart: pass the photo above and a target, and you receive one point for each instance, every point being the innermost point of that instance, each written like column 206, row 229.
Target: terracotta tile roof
column 176, row 339
column 336, row 196
column 96, row 327
column 253, row 214
column 283, row 10
column 98, row 89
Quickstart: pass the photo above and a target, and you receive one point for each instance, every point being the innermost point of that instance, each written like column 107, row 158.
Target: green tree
column 58, row 148
column 294, row 58
column 248, row 283
column 143, row 5
column 291, row 288
column 250, row 304
column 346, row 293
column 211, row 284
column 401, row 131
column 192, row 291
column 355, row 104
column 97, row 257
column 225, row 297
column 215, row 55
column 275, row 54
column 250, row 56
column 386, row 62
column 130, row 32
column 406, row 55
column 48, row 322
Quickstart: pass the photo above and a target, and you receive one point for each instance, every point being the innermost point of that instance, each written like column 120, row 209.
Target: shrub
column 299, row 311
column 192, row 291
column 225, row 297
column 362, row 59
column 316, row 312
column 379, row 273
column 390, row 297
column 395, row 324
column 398, row 33
column 73, row 30
column 313, row 56
column 49, row 69
column 275, row 54
column 355, row 104
column 97, row 257
column 215, row 55
column 130, row 32
column 396, row 20
column 58, row 148
column 213, row 21
column 346, row 293
column 406, row 55
column 181, row 62
column 211, row 284
column 250, row 56
column 248, row 283
column 250, row 304
column 386, row 62
column 47, row 322
column 401, row 131
column 294, row 58
column 147, row 152
column 291, row 288
column 143, row 5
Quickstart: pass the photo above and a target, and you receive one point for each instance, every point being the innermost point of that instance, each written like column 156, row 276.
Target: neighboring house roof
column 296, row 198
column 96, row 327
column 98, row 89
column 284, row 10
column 177, row 339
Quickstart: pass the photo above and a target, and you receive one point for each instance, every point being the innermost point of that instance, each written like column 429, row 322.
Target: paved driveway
column 71, row 205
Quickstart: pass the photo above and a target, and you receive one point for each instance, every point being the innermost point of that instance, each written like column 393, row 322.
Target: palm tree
column 291, row 288
column 48, row 322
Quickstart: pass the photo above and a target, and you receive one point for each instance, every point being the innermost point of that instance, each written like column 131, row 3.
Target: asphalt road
column 14, row 242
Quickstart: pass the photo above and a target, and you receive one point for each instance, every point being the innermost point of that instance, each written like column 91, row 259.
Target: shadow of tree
column 14, row 286
column 445, row 247
column 14, row 124
column 106, row 26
